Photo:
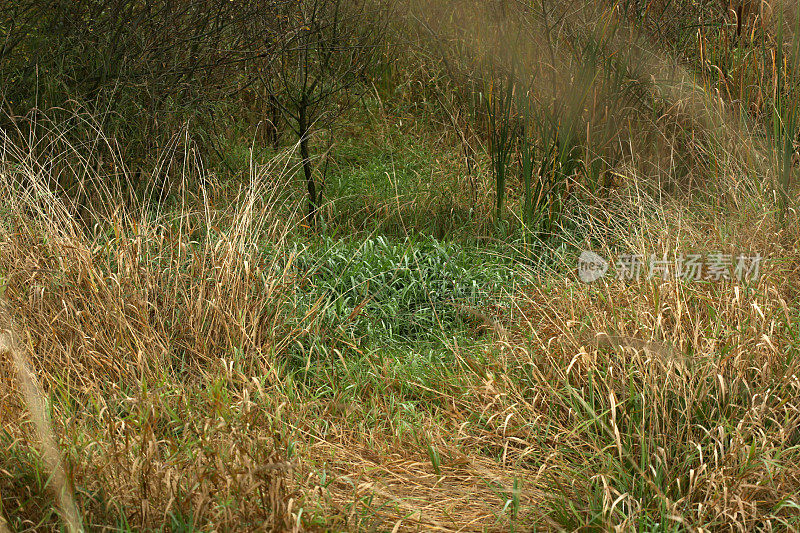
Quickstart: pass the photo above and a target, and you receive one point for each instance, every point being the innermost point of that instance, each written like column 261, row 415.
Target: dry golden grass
column 163, row 351
column 165, row 340
column 12, row 348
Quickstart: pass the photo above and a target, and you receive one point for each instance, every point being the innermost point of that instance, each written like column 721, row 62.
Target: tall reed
column 782, row 121
column 499, row 103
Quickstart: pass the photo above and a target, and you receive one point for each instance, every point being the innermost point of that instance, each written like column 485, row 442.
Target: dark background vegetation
column 550, row 99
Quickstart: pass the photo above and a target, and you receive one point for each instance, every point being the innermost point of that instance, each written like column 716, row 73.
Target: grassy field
column 190, row 351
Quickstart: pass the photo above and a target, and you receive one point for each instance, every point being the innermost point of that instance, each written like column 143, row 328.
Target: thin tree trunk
column 307, row 166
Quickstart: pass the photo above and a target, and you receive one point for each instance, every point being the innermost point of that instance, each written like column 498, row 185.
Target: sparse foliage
column 316, row 68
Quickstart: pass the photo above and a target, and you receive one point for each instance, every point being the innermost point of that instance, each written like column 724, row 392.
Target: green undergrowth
column 387, row 291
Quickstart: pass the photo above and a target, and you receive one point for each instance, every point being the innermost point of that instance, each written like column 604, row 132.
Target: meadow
column 315, row 266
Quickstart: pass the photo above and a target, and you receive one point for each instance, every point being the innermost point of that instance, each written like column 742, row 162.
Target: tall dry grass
column 163, row 338
column 142, row 300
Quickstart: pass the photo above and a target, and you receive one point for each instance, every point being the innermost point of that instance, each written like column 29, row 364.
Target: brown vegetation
column 186, row 353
